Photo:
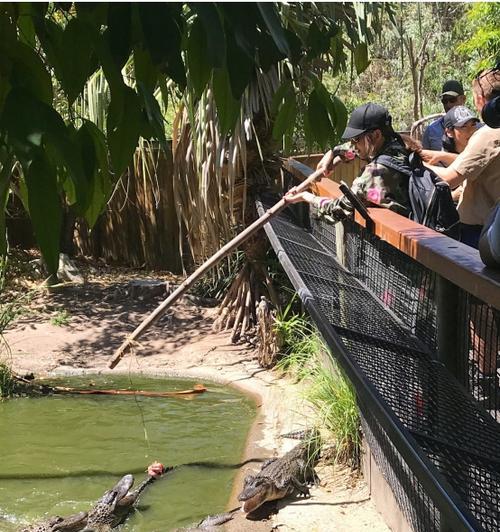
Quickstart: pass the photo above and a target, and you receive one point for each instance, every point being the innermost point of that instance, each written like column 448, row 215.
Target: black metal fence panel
column 381, row 313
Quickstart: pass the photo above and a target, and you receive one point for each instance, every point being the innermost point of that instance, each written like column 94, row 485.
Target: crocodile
column 210, row 523
column 280, row 477
column 109, row 511
column 73, row 523
column 115, row 505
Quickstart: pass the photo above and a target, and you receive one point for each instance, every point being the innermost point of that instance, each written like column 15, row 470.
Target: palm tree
column 218, row 171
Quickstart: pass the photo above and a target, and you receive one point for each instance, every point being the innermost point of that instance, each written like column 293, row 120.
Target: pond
column 61, row 453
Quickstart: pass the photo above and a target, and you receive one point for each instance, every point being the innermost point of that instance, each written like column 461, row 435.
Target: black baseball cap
column 452, row 87
column 365, row 118
column 458, row 116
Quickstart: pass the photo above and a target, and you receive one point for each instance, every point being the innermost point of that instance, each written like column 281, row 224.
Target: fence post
column 447, row 305
column 340, row 243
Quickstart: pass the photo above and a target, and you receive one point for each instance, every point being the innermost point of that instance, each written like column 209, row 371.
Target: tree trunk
column 67, row 240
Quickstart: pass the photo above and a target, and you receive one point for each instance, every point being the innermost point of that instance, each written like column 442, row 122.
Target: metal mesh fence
column 414, row 503
column 383, row 308
column 404, row 286
column 478, row 341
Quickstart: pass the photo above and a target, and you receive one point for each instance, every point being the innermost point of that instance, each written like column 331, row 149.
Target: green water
column 59, row 454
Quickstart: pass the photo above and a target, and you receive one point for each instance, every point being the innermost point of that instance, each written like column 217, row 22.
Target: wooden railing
column 454, row 261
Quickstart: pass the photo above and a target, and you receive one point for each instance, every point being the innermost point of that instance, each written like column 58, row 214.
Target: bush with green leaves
column 482, row 25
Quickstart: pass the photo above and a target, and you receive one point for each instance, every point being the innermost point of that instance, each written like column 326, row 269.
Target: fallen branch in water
column 46, row 389
column 197, row 388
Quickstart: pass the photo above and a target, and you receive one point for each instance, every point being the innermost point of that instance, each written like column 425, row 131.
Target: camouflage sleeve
column 377, row 185
column 382, row 186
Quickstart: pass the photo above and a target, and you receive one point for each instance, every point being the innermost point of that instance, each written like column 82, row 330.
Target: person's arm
column 333, row 210
column 436, row 157
column 326, row 162
column 450, row 175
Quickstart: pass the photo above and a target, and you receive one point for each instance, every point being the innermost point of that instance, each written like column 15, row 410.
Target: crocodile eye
column 248, row 479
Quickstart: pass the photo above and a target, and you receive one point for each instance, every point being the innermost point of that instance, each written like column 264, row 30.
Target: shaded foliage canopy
column 49, row 52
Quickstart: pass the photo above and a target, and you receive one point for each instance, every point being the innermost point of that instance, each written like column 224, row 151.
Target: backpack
column 430, row 196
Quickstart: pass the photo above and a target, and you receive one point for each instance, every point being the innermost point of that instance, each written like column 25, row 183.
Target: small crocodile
column 210, row 523
column 73, row 523
column 280, row 477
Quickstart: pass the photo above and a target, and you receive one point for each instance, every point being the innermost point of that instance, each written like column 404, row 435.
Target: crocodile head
column 102, row 517
column 258, row 490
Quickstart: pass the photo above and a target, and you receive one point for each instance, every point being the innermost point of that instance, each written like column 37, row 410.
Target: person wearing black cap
column 460, row 123
column 370, row 133
column 452, row 94
column 477, row 166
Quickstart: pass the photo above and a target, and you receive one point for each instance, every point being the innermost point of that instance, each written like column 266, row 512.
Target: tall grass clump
column 335, row 403
column 304, row 356
column 297, row 341
column 9, row 311
column 7, row 381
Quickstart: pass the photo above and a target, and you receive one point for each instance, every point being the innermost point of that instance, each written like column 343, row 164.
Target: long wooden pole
column 211, row 262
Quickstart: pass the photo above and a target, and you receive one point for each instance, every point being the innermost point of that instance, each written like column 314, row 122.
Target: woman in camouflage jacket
column 369, row 131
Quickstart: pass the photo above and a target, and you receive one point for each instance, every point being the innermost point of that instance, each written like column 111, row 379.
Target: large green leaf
column 118, row 32
column 110, row 68
column 123, row 128
column 144, row 70
column 279, row 95
column 335, row 109
column 45, row 208
column 319, row 121
column 268, row 54
column 273, row 22
column 26, row 12
column 31, row 124
column 161, row 26
column 242, row 18
column 93, row 145
column 285, row 120
column 340, row 114
column 197, row 55
column 216, row 42
column 228, row 108
column 50, row 35
column 75, row 57
column 154, row 115
column 239, row 66
column 361, row 59
column 29, row 72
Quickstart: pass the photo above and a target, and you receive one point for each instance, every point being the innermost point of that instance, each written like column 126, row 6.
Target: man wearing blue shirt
column 452, row 95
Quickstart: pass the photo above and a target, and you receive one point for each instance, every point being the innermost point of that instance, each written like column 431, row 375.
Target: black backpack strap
column 393, row 164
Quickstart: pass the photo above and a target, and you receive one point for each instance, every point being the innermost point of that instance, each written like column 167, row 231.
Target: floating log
column 197, row 388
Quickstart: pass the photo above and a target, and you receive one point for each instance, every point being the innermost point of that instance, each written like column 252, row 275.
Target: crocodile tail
column 216, row 520
column 303, row 434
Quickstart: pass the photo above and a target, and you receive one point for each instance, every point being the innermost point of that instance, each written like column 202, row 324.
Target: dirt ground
column 77, row 329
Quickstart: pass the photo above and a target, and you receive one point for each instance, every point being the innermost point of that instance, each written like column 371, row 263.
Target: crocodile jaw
column 270, row 493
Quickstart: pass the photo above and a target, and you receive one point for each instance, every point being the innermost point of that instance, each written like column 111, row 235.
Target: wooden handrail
column 453, row 260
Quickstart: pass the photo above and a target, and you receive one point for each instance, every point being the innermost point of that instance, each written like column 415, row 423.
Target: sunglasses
column 449, row 99
column 355, row 140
